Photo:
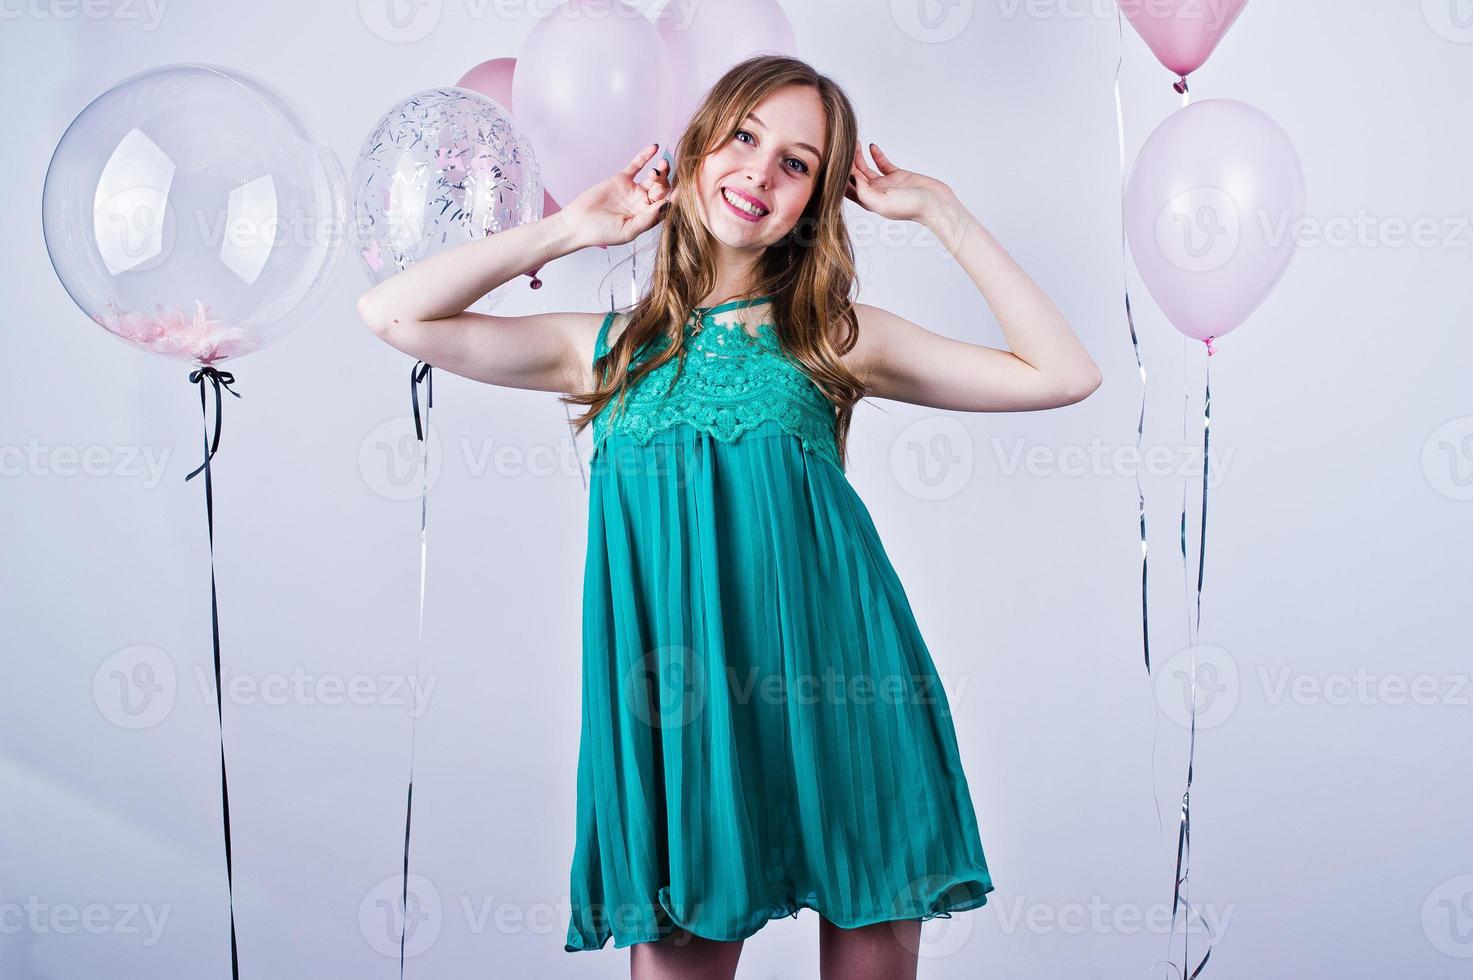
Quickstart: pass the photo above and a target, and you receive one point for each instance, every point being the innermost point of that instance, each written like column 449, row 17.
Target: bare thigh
column 883, row 951
column 684, row 956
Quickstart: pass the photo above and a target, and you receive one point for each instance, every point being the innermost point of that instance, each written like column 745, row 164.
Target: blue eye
column 802, row 167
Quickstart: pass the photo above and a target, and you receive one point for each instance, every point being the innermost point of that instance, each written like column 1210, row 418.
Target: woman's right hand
column 618, row 210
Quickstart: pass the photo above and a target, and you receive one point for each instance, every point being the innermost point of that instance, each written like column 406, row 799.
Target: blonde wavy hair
column 809, row 273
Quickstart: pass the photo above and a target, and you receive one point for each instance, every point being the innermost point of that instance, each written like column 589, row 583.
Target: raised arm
column 422, row 310
column 1046, row 365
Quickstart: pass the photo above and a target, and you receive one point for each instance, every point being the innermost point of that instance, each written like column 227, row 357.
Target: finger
column 640, row 159
column 882, row 161
column 863, row 166
column 659, row 175
column 656, row 191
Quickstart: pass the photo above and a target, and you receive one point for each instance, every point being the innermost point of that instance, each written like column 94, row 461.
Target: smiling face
column 752, row 189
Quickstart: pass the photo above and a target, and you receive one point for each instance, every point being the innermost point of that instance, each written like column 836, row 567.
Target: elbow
column 1083, row 386
column 373, row 317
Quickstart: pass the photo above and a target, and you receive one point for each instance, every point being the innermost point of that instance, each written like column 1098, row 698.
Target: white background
column 1331, row 808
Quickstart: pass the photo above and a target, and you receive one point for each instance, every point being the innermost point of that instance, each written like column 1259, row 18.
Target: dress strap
column 736, row 304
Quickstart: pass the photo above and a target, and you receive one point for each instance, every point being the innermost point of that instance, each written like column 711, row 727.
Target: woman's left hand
column 901, row 195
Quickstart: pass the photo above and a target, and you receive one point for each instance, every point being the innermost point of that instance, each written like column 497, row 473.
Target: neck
column 734, row 274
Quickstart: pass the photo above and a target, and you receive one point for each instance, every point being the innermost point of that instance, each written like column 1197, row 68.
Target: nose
column 761, row 172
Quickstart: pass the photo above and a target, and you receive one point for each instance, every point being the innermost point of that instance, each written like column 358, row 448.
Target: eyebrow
column 802, row 146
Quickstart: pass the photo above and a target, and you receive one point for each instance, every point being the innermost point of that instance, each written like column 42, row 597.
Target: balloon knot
column 1210, row 349
column 1180, row 85
column 536, row 283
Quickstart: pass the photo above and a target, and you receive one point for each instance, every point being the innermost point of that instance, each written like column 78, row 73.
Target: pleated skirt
column 763, row 729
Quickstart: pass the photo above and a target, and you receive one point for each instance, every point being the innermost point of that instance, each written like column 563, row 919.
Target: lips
column 746, row 198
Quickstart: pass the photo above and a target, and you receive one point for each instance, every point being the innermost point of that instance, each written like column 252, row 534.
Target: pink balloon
column 1182, row 33
column 493, row 79
column 1212, row 208
column 592, row 87
column 707, row 38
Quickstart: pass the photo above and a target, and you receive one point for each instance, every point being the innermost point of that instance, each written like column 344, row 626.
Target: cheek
column 796, row 197
column 711, row 167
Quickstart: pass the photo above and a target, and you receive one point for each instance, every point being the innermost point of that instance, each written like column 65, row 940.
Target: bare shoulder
column 874, row 327
column 587, row 342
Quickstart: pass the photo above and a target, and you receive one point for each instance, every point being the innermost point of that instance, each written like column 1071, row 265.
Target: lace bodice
column 731, row 383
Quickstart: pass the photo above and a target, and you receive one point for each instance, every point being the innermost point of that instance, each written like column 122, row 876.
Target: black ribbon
column 217, row 379
column 419, row 374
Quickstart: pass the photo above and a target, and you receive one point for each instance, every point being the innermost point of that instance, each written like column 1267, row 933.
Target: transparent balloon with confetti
column 441, row 168
column 189, row 211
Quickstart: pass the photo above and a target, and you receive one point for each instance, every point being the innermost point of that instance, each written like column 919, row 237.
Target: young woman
column 763, row 729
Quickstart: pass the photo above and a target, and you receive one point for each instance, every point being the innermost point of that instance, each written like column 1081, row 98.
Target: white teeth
column 751, row 209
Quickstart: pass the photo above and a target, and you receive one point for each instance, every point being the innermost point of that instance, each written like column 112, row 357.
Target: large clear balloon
column 189, row 211
column 441, row 168
column 1212, row 209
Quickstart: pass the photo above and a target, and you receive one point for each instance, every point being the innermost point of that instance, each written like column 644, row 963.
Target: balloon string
column 1184, row 832
column 217, row 379
column 1140, row 420
column 1140, row 424
column 633, row 272
column 420, row 373
column 1202, row 530
column 1183, row 857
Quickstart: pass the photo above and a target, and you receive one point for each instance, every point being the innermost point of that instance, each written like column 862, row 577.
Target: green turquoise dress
column 763, row 727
